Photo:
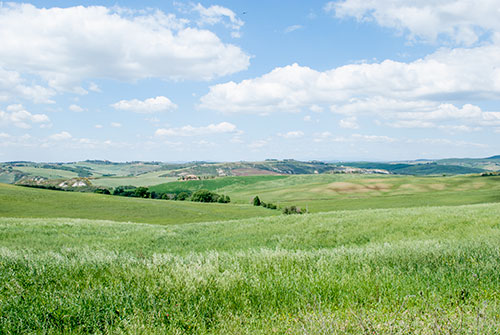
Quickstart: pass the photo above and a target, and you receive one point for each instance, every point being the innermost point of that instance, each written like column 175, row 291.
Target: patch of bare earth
column 252, row 172
column 410, row 187
column 344, row 187
column 437, row 187
column 472, row 186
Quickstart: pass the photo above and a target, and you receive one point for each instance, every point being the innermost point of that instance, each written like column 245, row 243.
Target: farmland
column 385, row 271
column 35, row 203
column 376, row 254
column 327, row 192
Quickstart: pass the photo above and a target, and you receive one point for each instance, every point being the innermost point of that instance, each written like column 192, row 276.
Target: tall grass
column 82, row 291
column 398, row 271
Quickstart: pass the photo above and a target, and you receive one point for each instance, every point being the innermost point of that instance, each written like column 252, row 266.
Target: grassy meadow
column 381, row 255
column 145, row 179
column 387, row 271
column 328, row 192
column 17, row 201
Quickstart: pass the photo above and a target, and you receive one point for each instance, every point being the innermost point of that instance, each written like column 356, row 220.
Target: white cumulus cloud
column 292, row 134
column 76, row 108
column 220, row 128
column 217, row 14
column 62, row 136
column 66, row 45
column 419, row 89
column 462, row 21
column 13, row 86
column 349, row 123
column 18, row 116
column 151, row 105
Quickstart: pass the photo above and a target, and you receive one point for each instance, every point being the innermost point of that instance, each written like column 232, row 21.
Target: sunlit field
column 420, row 270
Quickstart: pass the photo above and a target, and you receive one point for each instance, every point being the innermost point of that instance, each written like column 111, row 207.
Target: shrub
column 293, row 210
column 125, row 191
column 141, row 192
column 204, row 196
column 102, row 191
column 224, row 199
column 256, row 201
column 182, row 196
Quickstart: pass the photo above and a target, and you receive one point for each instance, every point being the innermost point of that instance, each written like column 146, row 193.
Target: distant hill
column 12, row 172
column 418, row 169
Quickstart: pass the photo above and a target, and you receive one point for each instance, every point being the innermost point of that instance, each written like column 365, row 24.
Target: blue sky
column 239, row 80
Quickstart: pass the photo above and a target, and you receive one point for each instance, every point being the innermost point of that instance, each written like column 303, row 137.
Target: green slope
column 397, row 271
column 418, row 169
column 213, row 184
column 17, row 201
column 328, row 192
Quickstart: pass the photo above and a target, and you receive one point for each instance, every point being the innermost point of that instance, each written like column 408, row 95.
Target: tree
column 204, row 196
column 141, row 192
column 102, row 191
column 125, row 191
column 256, row 201
column 181, row 196
column 223, row 199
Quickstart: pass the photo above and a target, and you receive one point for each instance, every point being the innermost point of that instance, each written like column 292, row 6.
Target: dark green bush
column 182, row 196
column 293, row 210
column 102, row 191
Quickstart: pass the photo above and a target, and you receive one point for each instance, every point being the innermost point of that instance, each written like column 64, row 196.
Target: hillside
column 26, row 202
column 419, row 169
column 391, row 271
column 327, row 192
column 113, row 174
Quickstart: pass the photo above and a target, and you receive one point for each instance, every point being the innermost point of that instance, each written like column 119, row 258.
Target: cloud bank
column 77, row 43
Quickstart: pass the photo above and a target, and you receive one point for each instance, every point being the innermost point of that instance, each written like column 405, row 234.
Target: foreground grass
column 17, row 201
column 398, row 271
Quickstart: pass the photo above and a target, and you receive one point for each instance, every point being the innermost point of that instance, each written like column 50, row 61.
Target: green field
column 17, row 201
column 118, row 169
column 47, row 173
column 329, row 192
column 390, row 259
column 390, row 271
column 146, row 179
column 112, row 174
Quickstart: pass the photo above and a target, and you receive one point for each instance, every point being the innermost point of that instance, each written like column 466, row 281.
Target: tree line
column 143, row 192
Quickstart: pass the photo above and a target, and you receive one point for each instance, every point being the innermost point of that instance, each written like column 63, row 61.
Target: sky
column 239, row 80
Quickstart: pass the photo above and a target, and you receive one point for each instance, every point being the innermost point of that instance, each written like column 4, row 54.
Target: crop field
column 386, row 271
column 145, row 179
column 119, row 169
column 47, row 173
column 381, row 255
column 329, row 192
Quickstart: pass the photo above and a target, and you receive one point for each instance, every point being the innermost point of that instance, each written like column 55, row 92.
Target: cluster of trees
column 143, row 192
column 208, row 196
column 258, row 202
column 491, row 173
column 286, row 210
column 132, row 191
